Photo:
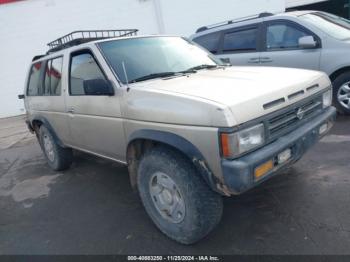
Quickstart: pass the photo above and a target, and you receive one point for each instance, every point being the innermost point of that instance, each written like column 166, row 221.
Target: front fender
column 182, row 145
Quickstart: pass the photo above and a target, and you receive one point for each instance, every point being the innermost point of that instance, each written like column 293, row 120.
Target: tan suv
column 189, row 128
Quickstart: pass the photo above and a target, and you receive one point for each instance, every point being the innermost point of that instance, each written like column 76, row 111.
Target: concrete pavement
column 91, row 209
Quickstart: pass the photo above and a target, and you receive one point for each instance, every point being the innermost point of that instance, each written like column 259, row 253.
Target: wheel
column 176, row 198
column 341, row 93
column 57, row 157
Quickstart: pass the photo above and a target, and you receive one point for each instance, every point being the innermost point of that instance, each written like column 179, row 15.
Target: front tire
column 341, row 93
column 176, row 198
column 57, row 157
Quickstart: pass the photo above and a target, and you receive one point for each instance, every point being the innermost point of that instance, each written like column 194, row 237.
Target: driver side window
column 283, row 36
column 86, row 77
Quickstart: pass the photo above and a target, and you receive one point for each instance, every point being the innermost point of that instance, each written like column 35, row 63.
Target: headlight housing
column 327, row 98
column 240, row 142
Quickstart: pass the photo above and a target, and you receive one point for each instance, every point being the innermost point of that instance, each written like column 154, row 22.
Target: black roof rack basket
column 84, row 36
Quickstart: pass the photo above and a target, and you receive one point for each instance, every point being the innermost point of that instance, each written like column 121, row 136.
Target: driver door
column 281, row 46
column 94, row 116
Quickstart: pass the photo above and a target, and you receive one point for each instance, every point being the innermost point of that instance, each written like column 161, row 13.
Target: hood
column 248, row 92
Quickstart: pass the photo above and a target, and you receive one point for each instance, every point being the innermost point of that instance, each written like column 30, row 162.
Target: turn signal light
column 225, row 145
column 263, row 169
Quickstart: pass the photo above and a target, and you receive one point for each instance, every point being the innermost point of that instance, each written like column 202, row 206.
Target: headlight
column 237, row 143
column 327, row 98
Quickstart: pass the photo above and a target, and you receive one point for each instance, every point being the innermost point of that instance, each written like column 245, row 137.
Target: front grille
column 290, row 118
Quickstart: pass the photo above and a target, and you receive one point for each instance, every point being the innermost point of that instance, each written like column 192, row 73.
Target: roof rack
column 242, row 19
column 84, row 36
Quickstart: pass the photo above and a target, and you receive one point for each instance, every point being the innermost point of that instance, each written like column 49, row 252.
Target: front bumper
column 239, row 173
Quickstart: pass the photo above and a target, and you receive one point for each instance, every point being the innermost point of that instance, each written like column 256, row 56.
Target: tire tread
column 63, row 157
column 208, row 203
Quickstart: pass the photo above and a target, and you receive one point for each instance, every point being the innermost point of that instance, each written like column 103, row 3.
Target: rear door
column 241, row 46
column 281, row 46
column 44, row 96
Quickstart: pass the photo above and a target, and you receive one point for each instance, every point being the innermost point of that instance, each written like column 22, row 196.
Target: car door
column 241, row 46
column 94, row 114
column 281, row 46
column 45, row 98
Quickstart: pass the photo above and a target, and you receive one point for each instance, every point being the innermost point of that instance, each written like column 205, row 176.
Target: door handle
column 266, row 60
column 254, row 60
column 71, row 110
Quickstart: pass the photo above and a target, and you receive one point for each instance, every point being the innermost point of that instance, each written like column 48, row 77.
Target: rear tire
column 176, row 198
column 57, row 157
column 341, row 93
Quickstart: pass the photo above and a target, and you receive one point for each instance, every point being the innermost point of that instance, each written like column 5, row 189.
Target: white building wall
column 294, row 3
column 184, row 17
column 27, row 26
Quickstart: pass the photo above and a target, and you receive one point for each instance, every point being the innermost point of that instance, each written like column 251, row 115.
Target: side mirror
column 225, row 60
column 98, row 87
column 307, row 42
column 21, row 96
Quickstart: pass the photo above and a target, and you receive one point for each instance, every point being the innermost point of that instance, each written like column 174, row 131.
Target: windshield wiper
column 162, row 74
column 187, row 71
column 152, row 76
column 204, row 66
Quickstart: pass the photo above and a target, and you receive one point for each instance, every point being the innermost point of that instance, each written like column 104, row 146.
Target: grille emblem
column 300, row 113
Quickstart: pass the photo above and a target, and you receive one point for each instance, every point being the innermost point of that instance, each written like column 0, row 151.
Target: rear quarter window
column 209, row 41
column 34, row 80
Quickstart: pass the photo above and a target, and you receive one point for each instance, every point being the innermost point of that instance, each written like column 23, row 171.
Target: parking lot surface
column 91, row 208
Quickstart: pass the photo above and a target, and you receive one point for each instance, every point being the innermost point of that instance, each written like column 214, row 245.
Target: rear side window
column 84, row 73
column 243, row 40
column 209, row 41
column 283, row 36
column 34, row 80
column 53, row 77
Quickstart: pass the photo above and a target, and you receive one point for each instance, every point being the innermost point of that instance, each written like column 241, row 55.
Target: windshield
column 152, row 57
column 332, row 25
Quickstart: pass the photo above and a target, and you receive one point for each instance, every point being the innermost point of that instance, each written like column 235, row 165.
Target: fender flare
column 182, row 145
column 47, row 124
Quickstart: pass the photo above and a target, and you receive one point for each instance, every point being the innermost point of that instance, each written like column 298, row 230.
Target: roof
column 233, row 21
column 250, row 19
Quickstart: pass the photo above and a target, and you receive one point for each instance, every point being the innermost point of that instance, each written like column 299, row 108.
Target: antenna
column 126, row 76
